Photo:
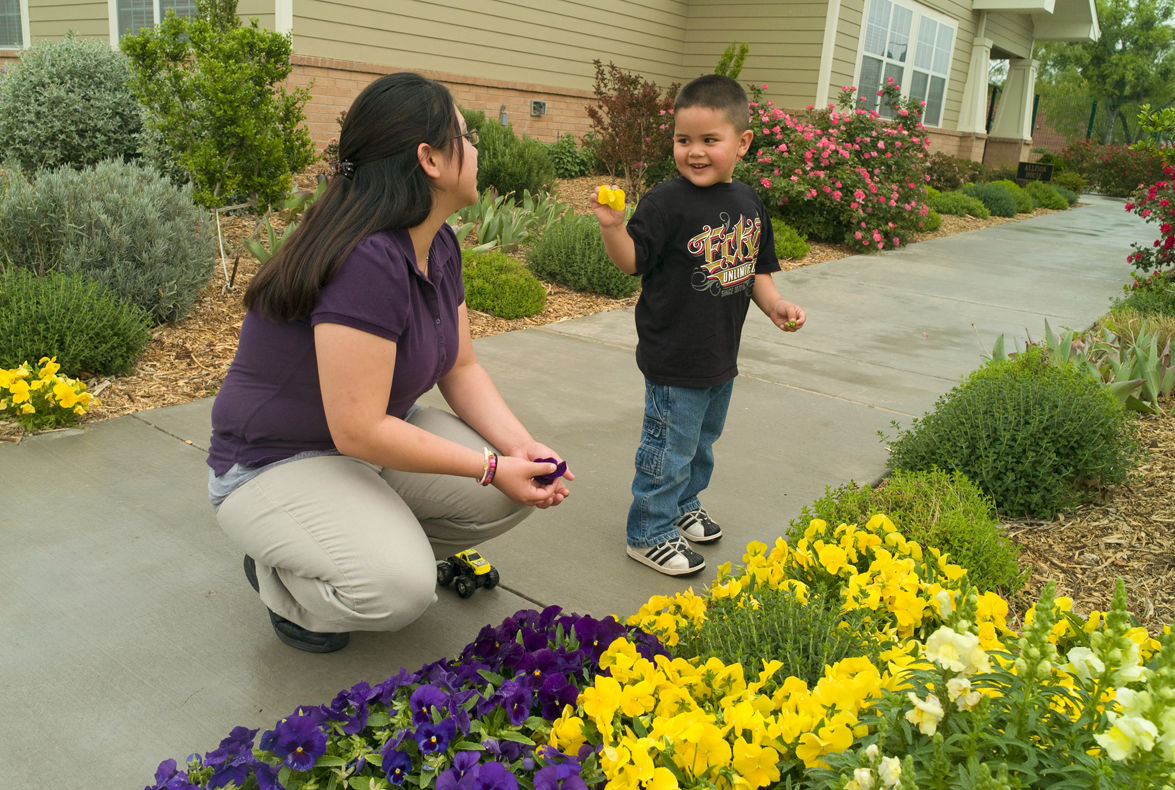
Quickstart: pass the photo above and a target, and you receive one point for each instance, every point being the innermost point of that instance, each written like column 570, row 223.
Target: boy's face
column 706, row 146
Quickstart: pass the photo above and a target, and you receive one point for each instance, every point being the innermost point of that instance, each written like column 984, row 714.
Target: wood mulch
column 1128, row 536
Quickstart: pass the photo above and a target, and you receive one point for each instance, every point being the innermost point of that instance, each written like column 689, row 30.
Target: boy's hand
column 609, row 206
column 787, row 316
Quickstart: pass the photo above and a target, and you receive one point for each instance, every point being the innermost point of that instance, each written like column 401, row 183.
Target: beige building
column 530, row 61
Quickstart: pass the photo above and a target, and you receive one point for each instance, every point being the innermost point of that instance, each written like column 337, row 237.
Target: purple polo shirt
column 270, row 405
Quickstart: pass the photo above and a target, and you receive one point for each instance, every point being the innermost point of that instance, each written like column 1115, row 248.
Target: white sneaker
column 674, row 557
column 697, row 526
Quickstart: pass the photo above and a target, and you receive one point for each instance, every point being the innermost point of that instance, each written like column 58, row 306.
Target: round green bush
column 80, row 322
column 1023, row 200
column 1071, row 180
column 569, row 159
column 789, row 244
column 571, row 253
column 1069, row 195
column 933, row 508
column 932, row 221
column 508, row 163
column 499, row 285
column 958, row 204
column 1037, row 438
column 995, row 197
column 119, row 224
column 67, row 103
column 1046, row 196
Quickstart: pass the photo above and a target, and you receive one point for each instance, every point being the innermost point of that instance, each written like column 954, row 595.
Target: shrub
column 1156, row 298
column 630, row 124
column 571, row 253
column 79, row 322
column 214, row 90
column 1071, row 180
column 66, row 103
column 1071, row 197
column 507, row 222
column 508, row 163
column 997, row 199
column 1156, row 204
column 932, row 222
column 947, row 173
column 933, row 508
column 501, row 286
column 119, row 224
column 1033, row 436
column 960, row 204
column 1046, row 196
column 805, row 635
column 1022, row 199
column 844, row 174
column 789, row 244
column 1116, row 170
column 569, row 159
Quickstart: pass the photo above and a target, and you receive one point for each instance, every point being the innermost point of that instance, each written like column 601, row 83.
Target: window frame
column 909, row 69
column 112, row 13
column 22, row 9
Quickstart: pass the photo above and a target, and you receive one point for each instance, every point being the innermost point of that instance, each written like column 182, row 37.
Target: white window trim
column 25, row 34
column 283, row 16
column 919, row 11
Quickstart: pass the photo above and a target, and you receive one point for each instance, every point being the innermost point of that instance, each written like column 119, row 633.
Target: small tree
column 630, row 124
column 212, row 88
column 731, row 62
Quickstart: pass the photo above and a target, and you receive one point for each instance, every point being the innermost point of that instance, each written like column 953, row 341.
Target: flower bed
column 945, row 695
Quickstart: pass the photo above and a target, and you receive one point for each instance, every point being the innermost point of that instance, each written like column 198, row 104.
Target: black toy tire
column 465, row 586
column 492, row 579
column 445, row 573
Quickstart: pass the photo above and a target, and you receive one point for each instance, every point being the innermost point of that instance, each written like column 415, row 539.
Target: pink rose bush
column 842, row 173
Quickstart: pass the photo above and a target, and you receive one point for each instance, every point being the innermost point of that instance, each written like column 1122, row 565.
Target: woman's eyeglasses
column 471, row 136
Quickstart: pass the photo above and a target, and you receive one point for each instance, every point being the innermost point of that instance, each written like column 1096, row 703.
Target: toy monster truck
column 466, row 571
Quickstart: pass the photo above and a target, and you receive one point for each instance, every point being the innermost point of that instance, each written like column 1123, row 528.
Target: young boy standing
column 704, row 248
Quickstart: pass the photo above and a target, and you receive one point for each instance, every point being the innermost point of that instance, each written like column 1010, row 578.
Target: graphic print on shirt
column 728, row 253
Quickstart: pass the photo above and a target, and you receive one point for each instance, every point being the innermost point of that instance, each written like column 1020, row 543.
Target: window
column 11, row 24
column 890, row 29
column 136, row 14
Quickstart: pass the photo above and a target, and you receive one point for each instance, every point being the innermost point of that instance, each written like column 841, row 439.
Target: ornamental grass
column 944, row 695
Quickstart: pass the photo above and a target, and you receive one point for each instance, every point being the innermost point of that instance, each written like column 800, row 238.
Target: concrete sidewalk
column 128, row 634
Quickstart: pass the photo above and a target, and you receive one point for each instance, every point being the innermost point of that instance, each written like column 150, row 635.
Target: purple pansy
column 459, row 776
column 424, row 701
column 547, row 479
column 433, row 738
column 299, row 742
column 397, row 764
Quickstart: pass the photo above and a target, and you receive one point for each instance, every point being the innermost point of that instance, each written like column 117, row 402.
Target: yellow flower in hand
column 614, row 198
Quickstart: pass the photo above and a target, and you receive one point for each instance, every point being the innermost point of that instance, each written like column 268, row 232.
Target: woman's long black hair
column 387, row 190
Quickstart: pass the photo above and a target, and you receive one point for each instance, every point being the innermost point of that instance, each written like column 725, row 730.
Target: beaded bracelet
column 489, row 466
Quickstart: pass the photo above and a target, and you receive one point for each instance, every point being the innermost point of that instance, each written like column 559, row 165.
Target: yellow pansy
column 833, row 558
column 825, row 740
column 27, row 408
column 65, row 395
column 757, row 765
column 613, row 198
column 19, row 390
column 49, row 367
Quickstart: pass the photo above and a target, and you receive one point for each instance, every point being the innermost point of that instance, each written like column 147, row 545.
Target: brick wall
column 336, row 83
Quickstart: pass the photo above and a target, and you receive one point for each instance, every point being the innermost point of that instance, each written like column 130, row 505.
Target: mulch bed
column 1128, row 536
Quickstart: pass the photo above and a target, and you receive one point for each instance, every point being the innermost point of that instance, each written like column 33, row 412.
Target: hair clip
column 345, row 168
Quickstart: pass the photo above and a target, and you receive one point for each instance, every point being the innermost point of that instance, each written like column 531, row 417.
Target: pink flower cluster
column 841, row 174
column 1156, row 204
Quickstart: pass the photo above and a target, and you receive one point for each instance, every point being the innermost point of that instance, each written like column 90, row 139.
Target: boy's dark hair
column 717, row 92
column 386, row 190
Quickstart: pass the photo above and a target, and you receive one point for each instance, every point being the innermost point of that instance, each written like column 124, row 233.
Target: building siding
column 53, row 20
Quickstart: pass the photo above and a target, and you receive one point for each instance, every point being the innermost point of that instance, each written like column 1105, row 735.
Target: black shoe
column 292, row 634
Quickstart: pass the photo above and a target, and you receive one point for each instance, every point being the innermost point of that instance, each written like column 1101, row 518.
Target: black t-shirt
column 698, row 250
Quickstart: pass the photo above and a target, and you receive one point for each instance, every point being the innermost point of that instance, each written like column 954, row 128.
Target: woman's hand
column 516, row 473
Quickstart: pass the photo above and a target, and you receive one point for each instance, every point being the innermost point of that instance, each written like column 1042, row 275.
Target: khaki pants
column 342, row 545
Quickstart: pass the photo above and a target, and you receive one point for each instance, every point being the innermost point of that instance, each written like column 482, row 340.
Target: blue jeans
column 675, row 458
